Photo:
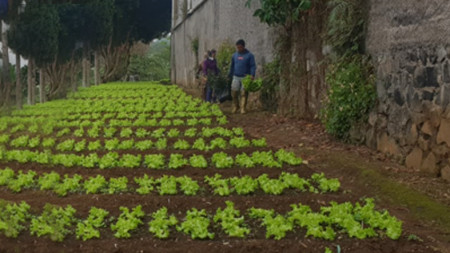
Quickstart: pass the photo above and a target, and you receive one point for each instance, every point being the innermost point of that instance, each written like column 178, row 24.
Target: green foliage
column 231, row 221
column 144, row 145
column 288, row 157
column 181, row 144
column 220, row 186
column 146, row 184
column 244, row 185
column 5, row 176
column 196, row 224
column 22, row 181
column 89, row 228
column 118, row 185
column 276, row 12
column 351, row 97
column 48, row 181
column 188, row 186
column 271, row 186
column 167, row 185
column 276, row 226
column 260, row 143
column 154, row 64
column 156, row 161
column 69, row 185
column 222, row 160
column 251, row 85
column 195, row 44
column 198, row 161
column 40, row 22
column 244, row 160
column 128, row 221
column 54, row 222
column 160, row 225
column 346, row 27
column 177, row 161
column 223, row 57
column 326, row 185
column 239, row 142
column 130, row 161
column 95, row 184
column 13, row 218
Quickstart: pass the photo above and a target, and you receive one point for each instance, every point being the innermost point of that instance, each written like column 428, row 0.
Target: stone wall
column 410, row 45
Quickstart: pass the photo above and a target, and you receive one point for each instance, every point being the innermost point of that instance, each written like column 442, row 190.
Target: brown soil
column 346, row 162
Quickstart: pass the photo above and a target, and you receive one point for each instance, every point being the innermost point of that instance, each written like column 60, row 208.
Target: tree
column 9, row 13
column 134, row 20
column 293, row 97
column 154, row 64
column 35, row 36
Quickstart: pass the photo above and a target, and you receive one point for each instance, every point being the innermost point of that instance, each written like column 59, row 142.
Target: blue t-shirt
column 242, row 64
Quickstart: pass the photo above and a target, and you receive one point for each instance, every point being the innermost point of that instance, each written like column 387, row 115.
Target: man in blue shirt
column 242, row 64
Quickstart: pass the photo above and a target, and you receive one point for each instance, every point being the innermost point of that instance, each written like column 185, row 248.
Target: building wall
column 410, row 45
column 213, row 22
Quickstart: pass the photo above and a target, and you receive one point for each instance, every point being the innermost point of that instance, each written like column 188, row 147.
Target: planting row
column 71, row 145
column 110, row 132
column 358, row 221
column 51, row 125
column 218, row 160
column 166, row 185
column 37, row 115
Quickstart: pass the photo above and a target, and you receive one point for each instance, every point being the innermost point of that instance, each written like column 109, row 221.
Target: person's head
column 240, row 46
column 212, row 53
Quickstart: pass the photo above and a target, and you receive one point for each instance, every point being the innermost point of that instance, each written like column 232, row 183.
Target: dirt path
column 422, row 202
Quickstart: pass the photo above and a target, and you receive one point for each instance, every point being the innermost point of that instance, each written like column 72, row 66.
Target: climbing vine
column 276, row 12
column 350, row 76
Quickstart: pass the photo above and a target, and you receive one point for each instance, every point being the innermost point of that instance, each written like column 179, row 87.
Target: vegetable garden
column 142, row 166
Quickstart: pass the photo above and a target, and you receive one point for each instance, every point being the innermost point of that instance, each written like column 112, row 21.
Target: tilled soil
column 280, row 133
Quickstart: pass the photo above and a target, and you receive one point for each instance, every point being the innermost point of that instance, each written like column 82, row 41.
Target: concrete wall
column 213, row 22
column 409, row 41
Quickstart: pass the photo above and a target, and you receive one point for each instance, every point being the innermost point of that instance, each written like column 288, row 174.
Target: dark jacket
column 242, row 64
column 210, row 67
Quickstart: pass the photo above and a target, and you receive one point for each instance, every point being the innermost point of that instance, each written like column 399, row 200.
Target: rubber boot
column 244, row 97
column 235, row 96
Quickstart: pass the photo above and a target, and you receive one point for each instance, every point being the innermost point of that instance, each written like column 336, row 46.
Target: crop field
column 144, row 167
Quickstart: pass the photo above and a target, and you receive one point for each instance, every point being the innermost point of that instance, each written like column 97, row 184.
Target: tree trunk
column 30, row 82
column 86, row 67
column 97, row 68
column 33, row 83
column 117, row 60
column 83, row 78
column 41, row 86
column 73, row 67
column 18, row 83
column 6, row 76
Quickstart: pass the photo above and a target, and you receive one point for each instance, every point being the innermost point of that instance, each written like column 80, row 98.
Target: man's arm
column 252, row 65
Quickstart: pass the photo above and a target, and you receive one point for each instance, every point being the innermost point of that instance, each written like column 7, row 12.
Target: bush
column 351, row 96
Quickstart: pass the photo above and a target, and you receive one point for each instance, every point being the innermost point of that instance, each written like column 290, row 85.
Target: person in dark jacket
column 242, row 64
column 210, row 69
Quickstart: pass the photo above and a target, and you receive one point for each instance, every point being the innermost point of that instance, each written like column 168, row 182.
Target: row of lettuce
column 165, row 185
column 357, row 221
column 218, row 160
